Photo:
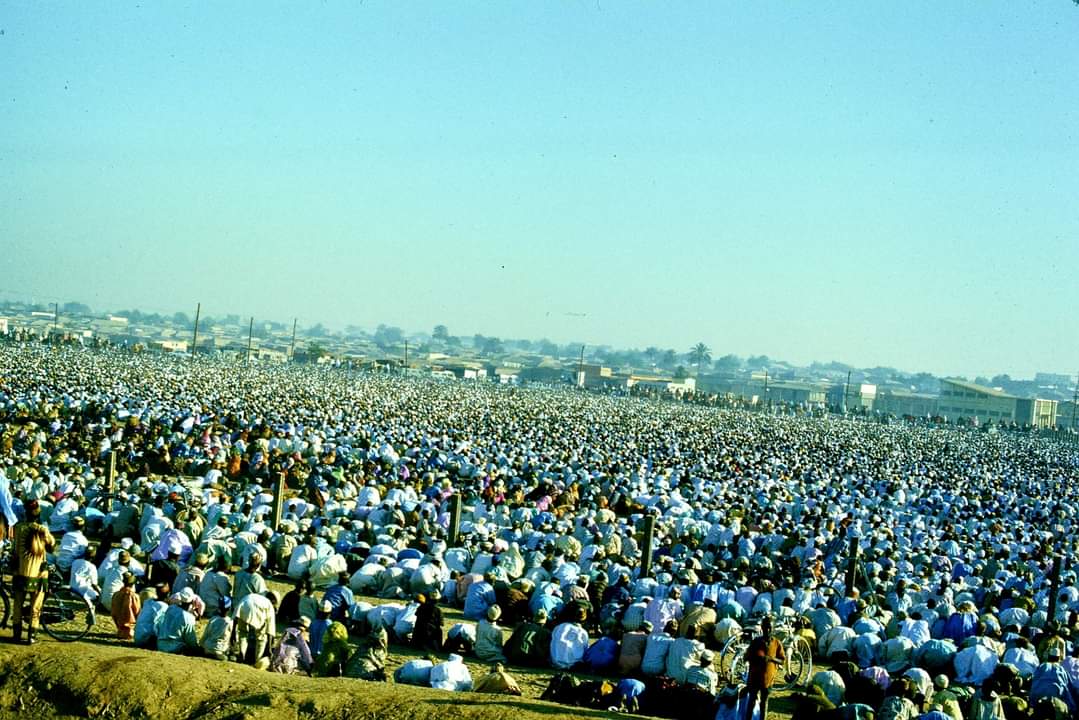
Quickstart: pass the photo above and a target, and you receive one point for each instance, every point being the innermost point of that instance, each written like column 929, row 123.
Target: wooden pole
column 455, row 519
column 278, row 507
column 648, row 528
column 110, row 478
column 250, row 332
column 1075, row 400
column 292, row 349
column 195, row 339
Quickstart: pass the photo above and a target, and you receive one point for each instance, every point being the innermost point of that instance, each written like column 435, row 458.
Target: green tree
column 315, row 350
column 700, row 354
column 758, row 362
column 728, row 363
column 75, row 308
column 546, row 347
column 386, row 335
column 441, row 332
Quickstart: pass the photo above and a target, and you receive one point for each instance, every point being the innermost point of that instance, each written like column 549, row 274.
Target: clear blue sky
column 877, row 183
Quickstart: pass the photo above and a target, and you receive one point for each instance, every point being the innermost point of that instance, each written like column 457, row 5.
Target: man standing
column 125, row 608
column 32, row 541
column 764, row 655
column 255, row 628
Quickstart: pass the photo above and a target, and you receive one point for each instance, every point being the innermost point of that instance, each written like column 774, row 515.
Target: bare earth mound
column 82, row 680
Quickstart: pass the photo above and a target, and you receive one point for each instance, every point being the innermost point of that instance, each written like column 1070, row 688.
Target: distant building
column 899, row 402
column 1067, row 415
column 794, row 392
column 593, row 375
column 853, row 396
column 506, row 375
column 967, row 400
column 464, row 370
column 1053, row 380
column 663, row 384
column 273, row 355
column 178, row 346
column 548, row 371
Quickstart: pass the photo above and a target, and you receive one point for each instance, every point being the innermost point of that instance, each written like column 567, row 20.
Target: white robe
column 84, row 578
column 568, row 643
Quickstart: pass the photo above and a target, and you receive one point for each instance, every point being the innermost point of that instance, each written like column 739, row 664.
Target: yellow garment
column 498, row 682
column 32, row 541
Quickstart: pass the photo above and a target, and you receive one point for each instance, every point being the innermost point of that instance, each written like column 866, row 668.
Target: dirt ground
column 82, row 680
column 102, row 677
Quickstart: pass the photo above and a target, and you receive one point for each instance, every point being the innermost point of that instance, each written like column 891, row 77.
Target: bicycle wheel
column 805, row 649
column 799, row 665
column 66, row 616
column 731, row 660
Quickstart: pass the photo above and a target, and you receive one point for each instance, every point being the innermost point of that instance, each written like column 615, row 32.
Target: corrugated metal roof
column 974, row 387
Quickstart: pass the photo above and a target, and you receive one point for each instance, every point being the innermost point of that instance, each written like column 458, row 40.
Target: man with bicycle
column 29, row 572
column 764, row 656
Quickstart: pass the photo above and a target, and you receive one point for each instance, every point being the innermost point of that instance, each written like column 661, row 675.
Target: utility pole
column 405, row 366
column 110, row 478
column 277, row 507
column 846, row 392
column 55, row 316
column 1075, row 400
column 455, row 518
column 292, row 349
column 195, row 339
column 250, row 332
column 580, row 369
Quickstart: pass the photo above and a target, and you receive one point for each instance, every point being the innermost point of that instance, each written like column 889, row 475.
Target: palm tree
column 700, row 354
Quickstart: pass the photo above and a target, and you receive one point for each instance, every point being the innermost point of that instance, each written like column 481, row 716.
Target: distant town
column 1046, row 401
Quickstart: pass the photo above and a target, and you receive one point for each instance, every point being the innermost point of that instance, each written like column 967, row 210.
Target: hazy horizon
column 882, row 185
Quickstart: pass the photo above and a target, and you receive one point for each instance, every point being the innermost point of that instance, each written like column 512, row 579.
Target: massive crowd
column 754, row 514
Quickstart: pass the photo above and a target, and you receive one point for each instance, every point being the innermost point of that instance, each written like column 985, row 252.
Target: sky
column 876, row 183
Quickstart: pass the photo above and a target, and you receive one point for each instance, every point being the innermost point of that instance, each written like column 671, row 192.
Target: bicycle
column 795, row 671
column 66, row 616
